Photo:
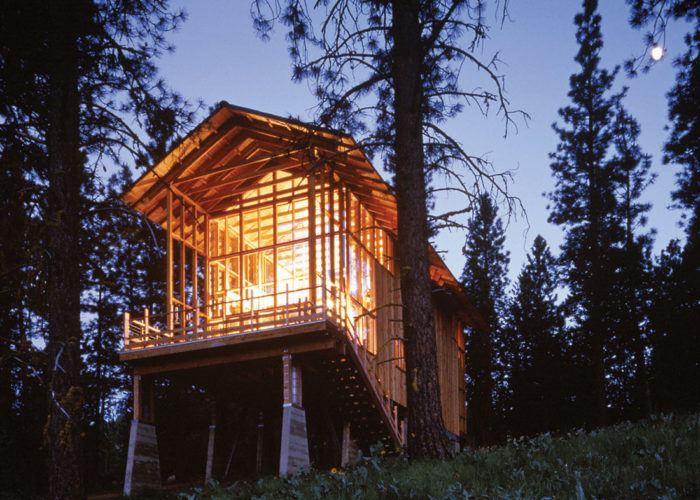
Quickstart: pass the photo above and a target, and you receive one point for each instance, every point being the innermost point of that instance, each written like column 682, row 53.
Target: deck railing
column 251, row 314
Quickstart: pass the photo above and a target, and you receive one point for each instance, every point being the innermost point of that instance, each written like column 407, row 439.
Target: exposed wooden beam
column 229, row 167
column 192, row 156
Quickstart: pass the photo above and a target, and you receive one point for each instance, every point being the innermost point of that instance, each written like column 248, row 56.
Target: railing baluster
column 126, row 330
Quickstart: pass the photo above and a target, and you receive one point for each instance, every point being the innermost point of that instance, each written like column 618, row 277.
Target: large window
column 259, row 257
column 261, row 254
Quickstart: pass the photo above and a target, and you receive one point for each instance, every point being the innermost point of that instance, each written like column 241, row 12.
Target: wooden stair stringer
column 379, row 398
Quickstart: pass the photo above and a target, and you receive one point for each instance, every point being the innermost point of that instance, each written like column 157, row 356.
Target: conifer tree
column 72, row 72
column 584, row 203
column 677, row 271
column 630, row 168
column 600, row 174
column 675, row 347
column 535, row 334
column 485, row 277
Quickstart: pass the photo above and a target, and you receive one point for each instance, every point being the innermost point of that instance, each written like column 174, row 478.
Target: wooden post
column 211, row 445
column 146, row 323
column 127, row 320
column 183, row 254
column 259, row 448
column 169, row 263
column 207, row 277
column 137, row 396
column 195, row 274
column 286, row 309
column 312, row 235
column 333, row 215
column 349, row 451
column 323, row 243
column 143, row 461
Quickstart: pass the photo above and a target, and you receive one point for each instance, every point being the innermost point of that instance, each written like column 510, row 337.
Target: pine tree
column 675, row 344
column 683, row 145
column 485, row 279
column 630, row 168
column 584, row 203
column 71, row 72
column 535, row 332
column 677, row 272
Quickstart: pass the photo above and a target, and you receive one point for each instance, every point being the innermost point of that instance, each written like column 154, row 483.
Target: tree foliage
column 485, row 278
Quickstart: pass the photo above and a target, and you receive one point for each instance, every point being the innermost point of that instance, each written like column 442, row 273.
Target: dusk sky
column 219, row 57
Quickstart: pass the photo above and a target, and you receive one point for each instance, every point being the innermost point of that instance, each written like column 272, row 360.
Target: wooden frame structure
column 280, row 240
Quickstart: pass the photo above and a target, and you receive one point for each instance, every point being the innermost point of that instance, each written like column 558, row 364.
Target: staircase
column 364, row 400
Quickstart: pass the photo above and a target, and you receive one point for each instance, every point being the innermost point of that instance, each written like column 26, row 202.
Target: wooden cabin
column 280, row 268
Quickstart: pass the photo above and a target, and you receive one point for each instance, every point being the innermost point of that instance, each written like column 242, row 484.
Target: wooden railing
column 235, row 317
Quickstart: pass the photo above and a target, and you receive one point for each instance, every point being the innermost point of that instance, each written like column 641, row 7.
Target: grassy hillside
column 659, row 458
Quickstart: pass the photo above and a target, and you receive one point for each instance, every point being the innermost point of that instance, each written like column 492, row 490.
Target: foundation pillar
column 350, row 453
column 143, row 461
column 294, row 449
column 210, row 446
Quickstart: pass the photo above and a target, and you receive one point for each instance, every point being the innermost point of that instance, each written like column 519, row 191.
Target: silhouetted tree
column 389, row 72
column 485, row 277
column 680, row 279
column 72, row 73
column 535, row 332
column 675, row 352
column 630, row 168
column 584, row 203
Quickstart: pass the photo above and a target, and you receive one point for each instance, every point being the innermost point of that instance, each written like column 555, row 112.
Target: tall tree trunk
column 426, row 430
column 65, row 172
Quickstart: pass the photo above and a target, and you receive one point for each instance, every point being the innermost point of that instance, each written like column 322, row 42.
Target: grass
column 657, row 458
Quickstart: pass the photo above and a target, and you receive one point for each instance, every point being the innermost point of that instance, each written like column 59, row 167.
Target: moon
column 657, row 52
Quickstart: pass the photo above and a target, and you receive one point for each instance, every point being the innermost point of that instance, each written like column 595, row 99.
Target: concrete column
column 143, row 461
column 294, row 449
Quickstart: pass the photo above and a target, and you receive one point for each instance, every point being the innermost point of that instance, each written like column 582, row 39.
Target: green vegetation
column 657, row 458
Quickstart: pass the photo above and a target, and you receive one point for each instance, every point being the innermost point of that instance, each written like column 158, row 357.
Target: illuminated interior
column 265, row 269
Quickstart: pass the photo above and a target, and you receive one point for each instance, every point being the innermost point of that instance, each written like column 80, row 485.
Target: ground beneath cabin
column 657, row 458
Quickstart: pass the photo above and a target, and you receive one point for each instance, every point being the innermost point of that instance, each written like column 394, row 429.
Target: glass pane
column 213, row 238
column 266, row 237
column 284, row 222
column 250, row 230
column 221, row 239
column 301, row 218
column 232, row 230
column 233, row 273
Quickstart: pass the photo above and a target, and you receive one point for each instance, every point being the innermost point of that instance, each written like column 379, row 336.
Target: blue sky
column 219, row 57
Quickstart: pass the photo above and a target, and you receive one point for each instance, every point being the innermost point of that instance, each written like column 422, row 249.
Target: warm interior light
column 657, row 52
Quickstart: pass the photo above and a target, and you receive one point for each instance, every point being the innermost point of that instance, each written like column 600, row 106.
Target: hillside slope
column 651, row 459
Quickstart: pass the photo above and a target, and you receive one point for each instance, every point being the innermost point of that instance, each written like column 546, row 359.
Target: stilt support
column 350, row 453
column 208, row 474
column 294, row 450
column 143, row 461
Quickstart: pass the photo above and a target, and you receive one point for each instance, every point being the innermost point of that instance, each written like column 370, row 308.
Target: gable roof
column 234, row 147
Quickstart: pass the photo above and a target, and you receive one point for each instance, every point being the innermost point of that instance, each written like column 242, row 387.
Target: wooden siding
column 389, row 334
column 450, row 351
